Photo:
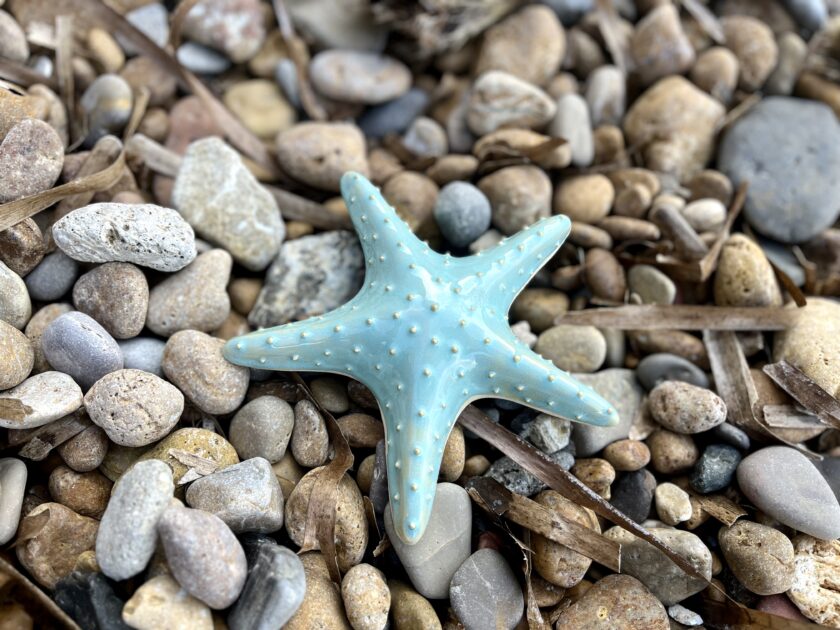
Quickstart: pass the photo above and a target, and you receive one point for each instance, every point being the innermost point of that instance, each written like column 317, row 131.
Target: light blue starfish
column 428, row 334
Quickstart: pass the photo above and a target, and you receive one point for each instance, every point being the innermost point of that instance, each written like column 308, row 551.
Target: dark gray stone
column 511, row 475
column 462, row 212
column 632, row 493
column 732, row 435
column 394, row 116
column 715, row 468
column 485, row 593
column 53, row 277
column 830, row 469
column 656, row 368
column 76, row 344
column 90, row 601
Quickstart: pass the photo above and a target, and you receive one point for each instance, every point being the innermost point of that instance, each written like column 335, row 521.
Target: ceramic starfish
column 427, row 334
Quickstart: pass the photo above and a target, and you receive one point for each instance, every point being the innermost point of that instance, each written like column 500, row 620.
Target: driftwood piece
column 683, row 317
column 805, row 391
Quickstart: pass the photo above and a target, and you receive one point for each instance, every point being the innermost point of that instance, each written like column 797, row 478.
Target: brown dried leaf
column 38, row 604
column 198, row 466
column 719, row 507
column 805, row 391
column 683, row 317
column 31, row 526
column 46, row 438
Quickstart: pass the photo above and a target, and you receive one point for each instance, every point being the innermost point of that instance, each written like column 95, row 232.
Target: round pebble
column 116, row 295
column 76, row 344
column 604, row 275
column 16, row 307
column 670, row 452
column 627, row 455
column 484, row 591
column 658, row 368
column 330, row 393
column 367, row 599
column 686, row 408
column 107, row 103
column 359, row 77
column 672, row 503
column 462, row 212
column 425, row 138
column 518, row 195
column 650, row 284
column 262, row 428
column 31, row 157
column 744, row 276
column 321, row 606
column 704, row 214
column 584, row 198
column 633, row 492
column 45, row 397
column 53, row 277
column 85, row 451
column 261, row 107
column 233, row 28
column 14, row 45
column 760, row 557
column 85, row 493
column 310, row 440
column 197, row 442
column 573, row 348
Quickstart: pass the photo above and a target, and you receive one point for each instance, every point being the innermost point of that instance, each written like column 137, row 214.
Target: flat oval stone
column 354, row 76
column 659, row 367
column 18, row 356
column 784, row 484
column 319, row 153
column 616, row 602
column 233, row 28
column 192, row 441
column 408, row 607
column 16, row 307
column 44, row 397
column 127, row 533
column 161, row 602
column 760, row 557
column 499, row 99
column 31, row 157
column 573, row 348
column 143, row 234
column 744, row 276
column 262, row 428
column 116, row 295
column 85, row 451
column 85, row 493
column 367, row 598
column 13, row 475
column 484, row 592
column 76, row 344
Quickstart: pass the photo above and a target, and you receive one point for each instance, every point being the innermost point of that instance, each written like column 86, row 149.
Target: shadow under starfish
column 427, row 334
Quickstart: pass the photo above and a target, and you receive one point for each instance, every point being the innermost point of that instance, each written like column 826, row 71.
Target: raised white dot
column 295, row 357
column 435, row 341
column 392, row 351
column 416, row 450
column 516, row 358
column 427, row 372
column 396, row 315
column 337, row 328
column 262, row 359
column 412, row 525
column 357, row 350
column 454, row 349
column 491, row 374
column 435, row 307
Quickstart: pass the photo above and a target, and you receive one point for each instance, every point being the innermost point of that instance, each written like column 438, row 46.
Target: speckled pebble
column 86, row 493
column 262, row 428
column 616, row 602
column 318, row 153
column 359, row 77
column 760, row 557
column 485, row 592
column 672, row 503
column 161, row 602
column 744, row 276
column 671, row 452
column 518, row 195
column 31, row 157
column 116, row 295
column 18, row 356
column 189, row 441
column 48, row 396
column 556, row 563
column 367, row 599
column 85, row 451
column 816, row 564
column 233, row 27
column 410, row 610
column 321, row 606
column 715, row 468
column 627, row 455
column 16, row 307
column 310, row 441
column 686, row 408
column 573, row 348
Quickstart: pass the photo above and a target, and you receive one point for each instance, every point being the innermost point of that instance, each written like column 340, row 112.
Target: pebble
column 133, row 407
column 413, row 196
column 161, row 602
column 556, row 563
column 47, row 562
column 201, row 59
column 395, row 116
column 193, row 361
column 530, row 44
column 659, row 46
column 261, row 107
column 311, row 275
column 262, row 428
column 13, row 475
column 633, row 493
column 225, row 204
column 462, row 212
column 87, row 596
column 425, row 138
column 454, row 455
column 499, row 99
column 549, row 433
column 670, row 452
column 539, row 307
column 672, row 504
column 16, row 307
column 815, row 567
column 49, row 396
column 246, row 496
column 330, row 393
column 367, row 598
column 143, row 234
column 705, row 215
column 14, row 45
column 781, row 606
column 596, row 473
column 18, row 354
column 573, row 348
column 22, row 246
column 513, row 477
column 361, row 430
column 606, row 95
column 318, row 154
column 656, row 571
column 484, row 591
column 435, row 557
column 627, row 455
column 195, row 298
column 571, row 122
column 793, row 52
column 744, row 276
column 85, row 493
column 127, row 535
column 615, row 602
column 274, row 589
column 518, row 195
column 203, row 554
column 584, row 198
column 754, row 45
column 310, row 441
column 684, row 616
column 784, row 484
column 85, row 451
column 604, row 275
column 76, row 344
column 152, row 20
column 31, row 157
column 193, row 441
column 732, row 435
column 675, row 124
column 15, row 107
column 348, row 24
column 715, row 468
column 812, row 343
column 651, row 285
column 760, row 557
column 351, row 527
column 620, row 388
column 658, row 368
column 811, row 135
column 143, row 353
column 53, row 277
column 107, row 103
column 354, row 76
column 321, row 606
column 686, row 408
column 233, row 27
column 116, row 295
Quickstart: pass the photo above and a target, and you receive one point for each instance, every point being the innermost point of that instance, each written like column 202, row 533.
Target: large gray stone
column 485, row 593
column 620, row 388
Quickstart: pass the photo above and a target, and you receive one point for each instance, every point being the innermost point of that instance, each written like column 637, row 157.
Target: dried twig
column 805, row 391
column 683, row 317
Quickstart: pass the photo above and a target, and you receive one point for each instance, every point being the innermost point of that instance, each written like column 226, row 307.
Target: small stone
column 670, row 452
column 107, row 103
column 584, row 198
column 118, row 459
column 361, row 430
column 262, row 428
column 14, row 45
column 77, row 345
column 413, row 196
column 732, row 435
column 31, row 156
column 200, row 443
column 105, row 50
column 425, row 138
column 659, row 45
column 15, row 107
column 193, row 361
column 650, row 284
column 793, row 51
column 193, row 298
column 143, row 353
column 22, row 246
column 16, row 307
column 203, row 554
column 500, row 99
column 321, row 606
column 658, row 368
column 462, row 212
column 540, row 307
column 85, row 493
column 672, row 504
column 351, row 528
column 53, row 277
column 311, row 275
column 513, row 477
column 88, row 597
column 310, row 440
column 144, row 73
column 571, row 122
column 754, row 45
column 549, row 433
column 161, row 602
column 784, row 484
column 815, row 565
column 684, row 616
column 812, row 343
column 627, row 455
column 435, row 557
column 367, row 599
column 620, row 388
column 518, row 195
column 454, row 455
column 46, row 397
column 715, row 468
column 573, row 348
column 604, row 275
column 686, row 408
column 201, row 60
column 705, row 215
column 616, row 602
column 261, row 107
column 318, row 154
column 781, row 606
column 353, row 76
column 18, row 354
column 760, row 557
column 744, row 276
column 152, row 20
column 13, row 475
column 274, row 589
column 225, row 204
column 246, row 496
column 484, row 590
column 632, row 494
column 595, row 473
column 46, row 561
column 116, row 295
column 143, row 234
column 330, row 393
column 394, row 116
column 606, row 95
column 656, row 571
column 233, row 27
column 556, row 563
column 85, row 451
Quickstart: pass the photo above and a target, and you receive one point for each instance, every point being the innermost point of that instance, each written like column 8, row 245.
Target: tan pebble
column 609, row 147
column 476, row 465
column 364, row 473
column 86, row 450
column 573, row 348
column 161, row 602
column 367, row 598
column 596, row 473
column 410, row 610
column 235, row 325
column 686, row 408
column 499, row 99
column 627, row 455
column 383, row 165
column 604, row 275
column 297, row 229
column 589, row 236
column 744, row 276
column 523, row 141
column 754, row 45
column 705, row 215
column 261, row 107
column 310, row 441
column 659, row 46
column 677, row 342
column 143, row 72
column 450, row 168
column 762, row 558
column 192, row 441
column 584, row 198
column 625, row 178
column 716, row 72
column 671, row 452
column 361, row 430
column 816, row 563
column 413, row 196
column 633, row 201
column 154, row 125
column 118, row 459
column 585, row 54
column 672, row 504
column 545, row 593
column 322, row 607
column 616, row 602
column 243, row 294
column 518, row 195
column 452, row 464
column 711, row 184
column 563, row 83
column 85, row 493
column 539, row 307
column 18, row 356
column 105, row 50
column 624, row 228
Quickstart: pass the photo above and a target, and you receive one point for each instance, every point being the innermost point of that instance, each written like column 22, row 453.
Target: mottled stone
column 45, row 397
column 518, row 195
column 85, row 451
column 206, row 445
column 573, row 348
column 161, row 602
column 616, row 602
column 16, row 307
column 31, row 157
column 321, row 606
column 22, row 246
column 744, row 276
column 233, row 27
column 410, row 610
column 310, row 440
column 671, row 452
column 85, row 493
column 484, row 592
column 354, row 76
column 754, row 45
column 18, row 356
column 715, row 468
column 116, row 295
column 500, row 99
column 262, row 428
column 262, row 108
column 659, row 45
column 619, row 387
column 815, row 566
column 686, row 408
column 367, row 598
column 318, row 153
column 13, row 475
column 556, row 563
column 516, row 479
column 633, row 494
column 760, row 557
